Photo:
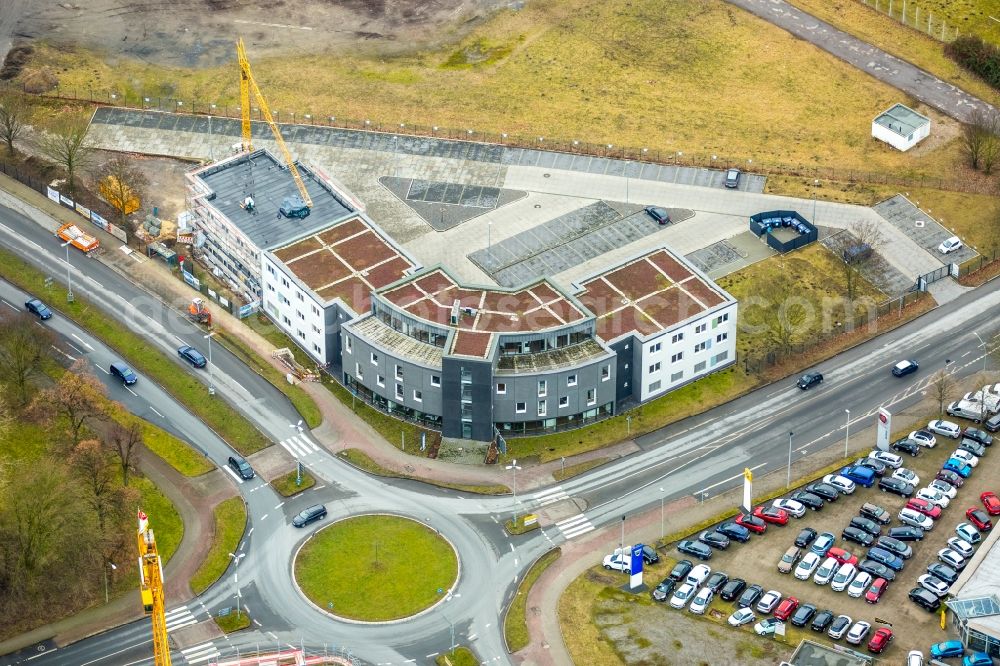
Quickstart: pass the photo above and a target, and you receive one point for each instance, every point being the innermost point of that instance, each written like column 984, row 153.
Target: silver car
column 915, row 519
column 933, row 584
column 961, row 546
column 767, row 602
column 682, row 596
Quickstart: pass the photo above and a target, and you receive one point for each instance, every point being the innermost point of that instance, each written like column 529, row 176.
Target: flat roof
column 261, row 176
column 432, row 295
column 346, row 260
column 901, row 119
column 978, row 582
column 648, row 294
column 377, row 332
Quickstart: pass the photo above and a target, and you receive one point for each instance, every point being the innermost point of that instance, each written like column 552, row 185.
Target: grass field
column 285, row 484
column 163, row 517
column 515, row 625
column 579, row 468
column 376, row 568
column 232, row 622
column 230, row 522
column 460, row 656
column 176, row 452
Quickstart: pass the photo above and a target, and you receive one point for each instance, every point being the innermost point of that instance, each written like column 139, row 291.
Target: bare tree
column 23, row 349
column 857, row 249
column 66, row 145
column 78, row 397
column 978, row 134
column 126, row 441
column 90, row 461
column 14, row 110
column 942, row 387
column 123, row 186
column 778, row 314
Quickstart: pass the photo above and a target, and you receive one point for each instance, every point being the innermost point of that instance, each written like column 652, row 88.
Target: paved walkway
column 887, row 68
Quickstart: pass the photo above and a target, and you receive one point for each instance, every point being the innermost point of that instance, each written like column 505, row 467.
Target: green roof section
column 902, row 120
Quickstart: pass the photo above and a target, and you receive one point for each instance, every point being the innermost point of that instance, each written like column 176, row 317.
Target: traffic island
column 376, row 568
column 232, row 621
column 292, row 484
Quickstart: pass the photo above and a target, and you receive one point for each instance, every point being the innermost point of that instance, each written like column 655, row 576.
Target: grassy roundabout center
column 376, row 568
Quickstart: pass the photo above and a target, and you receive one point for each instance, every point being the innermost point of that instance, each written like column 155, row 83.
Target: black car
column 925, row 599
column 649, row 555
column 906, row 445
column 808, row 500
column 824, row 490
column 659, row 214
column 877, row 570
column 895, row 546
column 716, row 581
column 733, row 589
column 805, row 537
column 802, row 615
column 681, row 570
column 123, row 373
column 664, row 590
column 699, row 550
column 241, row 467
column 977, row 435
column 714, row 539
column 869, row 526
column 750, row 596
column 904, row 368
column 943, row 571
column 950, row 477
column 858, row 536
column 822, row 620
column 876, row 466
column 192, row 356
column 973, row 447
column 733, row 178
column 895, row 486
column 876, row 513
column 906, row 533
column 810, row 379
column 306, row 516
column 734, row 531
column 36, row 307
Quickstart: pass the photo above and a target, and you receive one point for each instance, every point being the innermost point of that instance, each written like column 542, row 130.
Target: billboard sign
column 635, row 569
column 883, row 424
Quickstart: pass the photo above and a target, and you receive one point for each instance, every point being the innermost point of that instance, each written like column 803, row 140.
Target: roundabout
column 376, row 568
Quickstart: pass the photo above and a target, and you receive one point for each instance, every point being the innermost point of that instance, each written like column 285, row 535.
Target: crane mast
column 151, row 590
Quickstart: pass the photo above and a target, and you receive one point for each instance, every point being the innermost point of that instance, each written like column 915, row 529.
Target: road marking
column 131, row 391
column 179, row 617
column 232, row 474
column 273, row 25
column 707, row 488
column 199, row 653
column 279, row 506
column 472, row 637
column 551, row 495
column 250, row 532
column 429, row 656
column 511, row 546
column 156, row 412
column 264, row 517
column 16, row 309
column 131, row 647
column 74, row 347
column 85, row 344
column 299, row 446
column 575, row 526
column 63, row 353
column 104, row 371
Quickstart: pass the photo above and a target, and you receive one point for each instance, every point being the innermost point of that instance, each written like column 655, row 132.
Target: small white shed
column 901, row 127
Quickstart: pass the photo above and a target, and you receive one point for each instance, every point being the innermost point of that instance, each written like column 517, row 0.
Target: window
column 399, row 372
column 720, row 357
column 563, row 402
column 701, row 346
column 270, row 287
column 541, row 408
column 571, row 380
column 592, row 396
column 542, row 389
column 315, row 310
column 435, row 380
column 347, row 343
column 270, row 269
column 520, row 408
column 380, row 380
column 605, row 373
column 676, row 376
column 374, row 358
column 699, row 366
column 301, row 334
column 284, row 282
column 418, row 396
column 288, row 322
column 677, row 337
column 676, row 357
column 301, row 316
column 299, row 294
column 317, row 349
column 655, row 348
column 655, row 386
column 721, row 336
column 399, row 391
column 358, row 372
column 655, row 367
column 721, row 318
column 316, row 329
column 501, row 388
column 700, row 328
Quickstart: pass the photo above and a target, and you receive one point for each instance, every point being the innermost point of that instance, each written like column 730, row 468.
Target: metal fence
column 911, row 14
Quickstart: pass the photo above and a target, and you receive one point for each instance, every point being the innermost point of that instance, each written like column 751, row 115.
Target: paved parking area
column 445, row 205
column 876, row 270
column 730, row 255
column 924, row 230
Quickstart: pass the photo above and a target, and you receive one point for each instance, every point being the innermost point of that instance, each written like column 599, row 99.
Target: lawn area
column 604, row 73
column 363, row 461
column 285, row 484
column 376, row 568
column 393, row 430
column 515, row 624
column 163, row 516
column 460, row 656
column 564, row 473
column 176, row 452
column 217, row 413
column 232, row 622
column 230, row 522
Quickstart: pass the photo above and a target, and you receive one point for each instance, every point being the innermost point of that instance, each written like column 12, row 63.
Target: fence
column 976, row 263
column 934, row 276
column 910, row 14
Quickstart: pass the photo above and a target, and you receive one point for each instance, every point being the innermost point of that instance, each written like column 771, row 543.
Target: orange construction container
column 79, row 239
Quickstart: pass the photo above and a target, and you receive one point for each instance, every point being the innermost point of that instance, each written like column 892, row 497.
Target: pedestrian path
column 180, row 617
column 550, row 496
column 575, row 526
column 299, row 446
column 198, row 654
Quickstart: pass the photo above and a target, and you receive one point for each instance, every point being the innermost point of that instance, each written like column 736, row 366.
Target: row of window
column 542, row 407
column 701, row 346
column 677, row 376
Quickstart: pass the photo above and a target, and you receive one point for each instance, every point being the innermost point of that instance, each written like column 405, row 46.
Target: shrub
column 977, row 56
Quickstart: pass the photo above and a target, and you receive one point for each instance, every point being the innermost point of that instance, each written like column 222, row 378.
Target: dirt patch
column 14, row 62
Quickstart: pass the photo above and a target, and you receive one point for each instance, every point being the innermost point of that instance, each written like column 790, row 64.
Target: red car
column 991, row 502
column 876, row 591
column 979, row 519
column 842, row 556
column 880, row 640
column 924, row 507
column 786, row 608
column 771, row 514
column 752, row 523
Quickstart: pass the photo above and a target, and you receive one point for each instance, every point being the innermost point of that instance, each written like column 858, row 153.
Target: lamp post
column 982, row 343
column 847, row 432
column 211, row 375
column 662, row 531
column 69, row 276
column 815, row 185
column 113, row 567
column 236, row 581
column 513, row 467
column 788, row 481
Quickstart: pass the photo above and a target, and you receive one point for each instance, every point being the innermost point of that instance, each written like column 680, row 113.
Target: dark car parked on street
column 822, row 620
column 904, row 368
column 877, row 570
column 192, row 356
column 241, row 467
column 824, row 490
column 123, row 373
column 810, row 379
column 659, row 214
column 734, row 531
column 895, row 546
column 681, row 570
column 663, row 591
column 37, row 308
column 802, row 615
column 925, row 599
column 716, row 581
column 906, row 445
column 895, row 486
column 876, row 466
column 750, row 596
column 805, row 537
column 306, row 516
column 649, row 555
column 858, row 536
column 869, row 526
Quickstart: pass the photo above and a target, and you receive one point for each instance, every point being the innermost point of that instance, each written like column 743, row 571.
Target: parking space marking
column 232, row 474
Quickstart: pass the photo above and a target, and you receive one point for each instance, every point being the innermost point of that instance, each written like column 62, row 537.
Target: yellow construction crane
column 247, row 83
column 151, row 589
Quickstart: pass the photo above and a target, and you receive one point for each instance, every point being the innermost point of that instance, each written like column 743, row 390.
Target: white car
column 890, row 459
column 966, row 457
column 845, row 574
column 961, row 546
column 698, row 575
column 916, row 519
column 807, row 566
column 944, row 488
column 934, row 496
column 924, row 438
column 767, row 602
column 945, row 428
column 826, row 571
column 933, row 584
column 844, row 485
column 950, row 245
column 766, row 626
column 701, row 601
column 914, row 658
column 908, row 475
column 794, row 509
column 682, row 595
column 741, row 616
column 968, row 533
column 617, row 562
column 842, row 621
column 858, row 632
column 951, row 558
column 859, row 584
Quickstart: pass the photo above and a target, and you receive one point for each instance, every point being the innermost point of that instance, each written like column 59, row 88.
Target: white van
column 966, row 410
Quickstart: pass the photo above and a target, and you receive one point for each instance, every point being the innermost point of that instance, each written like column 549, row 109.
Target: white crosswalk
column 575, row 526
column 179, row 617
column 549, row 496
column 198, row 654
column 299, row 446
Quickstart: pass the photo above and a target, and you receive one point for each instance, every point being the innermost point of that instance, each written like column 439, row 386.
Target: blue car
column 823, row 543
column 959, row 467
column 38, row 308
column 192, row 356
column 887, row 558
column 947, row 649
column 977, row 659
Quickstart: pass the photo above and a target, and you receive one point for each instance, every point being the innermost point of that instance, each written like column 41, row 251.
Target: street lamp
column 513, row 467
column 236, row 581
column 788, row 482
column 815, row 185
column 982, row 343
column 211, row 376
column 662, row 531
column 113, row 567
column 847, row 433
column 69, row 277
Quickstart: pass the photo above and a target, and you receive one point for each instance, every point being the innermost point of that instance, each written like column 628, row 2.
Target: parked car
column 857, row 535
column 924, row 438
column 845, row 574
column 880, row 640
column 786, row 608
column 825, row 572
column 944, row 487
column 950, row 476
column 681, row 570
column 945, row 428
column 966, row 456
column 842, row 484
column 664, row 590
column 977, row 435
column 890, row 459
column 906, row 445
column 308, row 515
column 942, row 571
column 876, row 513
column 993, row 423
column 950, row 245
column 947, row 649
column 957, row 466
column 972, row 446
column 822, row 620
column 869, row 526
column 192, row 356
column 714, row 539
column 904, row 368
column 810, row 379
column 716, row 581
column 842, row 556
column 791, row 507
column 123, row 373
column 766, row 626
column 877, row 570
column 740, row 617
column 906, row 533
column 618, row 561
column 907, row 475
column 859, row 585
column 860, row 475
column 789, row 559
column 839, row 626
column 823, row 543
column 933, row 495
column 977, row 659
column 242, row 468
column 805, row 537
column 929, row 509
column 824, row 490
column 732, row 178
column 915, row 519
column 961, row 546
column 698, row 575
column 767, row 602
column 876, row 466
column 991, row 502
column 895, row 486
column 752, row 523
column 732, row 589
column 769, row 514
column 895, row 547
column 933, row 584
column 914, row 658
column 802, row 615
column 807, row 566
column 734, row 532
column 37, row 308
column 979, row 518
column 682, row 596
column 808, row 500
column 750, row 596
column 701, row 601
column 858, row 632
column 883, row 556
column 699, row 550
column 661, row 215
